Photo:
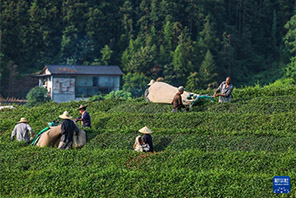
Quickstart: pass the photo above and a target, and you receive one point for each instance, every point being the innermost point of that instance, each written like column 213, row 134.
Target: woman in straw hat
column 68, row 127
column 84, row 117
column 21, row 130
column 147, row 139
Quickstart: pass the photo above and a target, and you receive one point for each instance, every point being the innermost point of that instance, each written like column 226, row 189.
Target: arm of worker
column 78, row 119
column 218, row 90
column 180, row 103
column 227, row 93
column 29, row 128
column 13, row 133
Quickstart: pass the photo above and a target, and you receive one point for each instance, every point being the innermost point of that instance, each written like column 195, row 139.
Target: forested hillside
column 188, row 42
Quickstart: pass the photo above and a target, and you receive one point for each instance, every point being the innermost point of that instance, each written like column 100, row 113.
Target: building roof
column 81, row 70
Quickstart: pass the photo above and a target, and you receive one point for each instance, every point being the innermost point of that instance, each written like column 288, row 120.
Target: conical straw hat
column 145, row 130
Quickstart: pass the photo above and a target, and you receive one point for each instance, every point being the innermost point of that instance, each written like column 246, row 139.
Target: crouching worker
column 68, row 129
column 140, row 146
column 177, row 100
column 146, row 139
column 21, row 131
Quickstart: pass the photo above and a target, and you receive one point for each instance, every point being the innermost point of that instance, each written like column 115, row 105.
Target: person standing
column 177, row 100
column 68, row 129
column 147, row 139
column 84, row 117
column 225, row 89
column 21, row 131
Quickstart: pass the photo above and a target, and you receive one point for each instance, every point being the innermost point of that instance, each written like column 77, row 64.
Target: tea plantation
column 215, row 150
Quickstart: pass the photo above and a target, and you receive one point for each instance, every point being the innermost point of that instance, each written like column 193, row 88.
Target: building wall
column 63, row 89
column 67, row 88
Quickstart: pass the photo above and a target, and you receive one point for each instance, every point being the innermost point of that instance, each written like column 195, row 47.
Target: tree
column 290, row 41
column 290, row 37
column 226, row 56
column 135, row 83
column 182, row 58
column 142, row 61
column 192, row 81
column 106, row 54
column 207, row 37
column 207, row 71
column 76, row 49
column 37, row 95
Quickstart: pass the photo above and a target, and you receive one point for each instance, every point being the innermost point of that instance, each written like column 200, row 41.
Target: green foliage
column 135, row 84
column 290, row 42
column 37, row 95
column 96, row 98
column 197, row 154
column 142, row 60
column 282, row 83
column 291, row 69
column 182, row 58
column 120, row 94
column 193, row 81
column 158, row 38
column 106, row 53
column 207, row 71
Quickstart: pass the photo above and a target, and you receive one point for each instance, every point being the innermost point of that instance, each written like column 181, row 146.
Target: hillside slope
column 216, row 150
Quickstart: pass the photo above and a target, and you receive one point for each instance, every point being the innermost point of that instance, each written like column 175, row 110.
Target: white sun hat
column 23, row 120
column 65, row 115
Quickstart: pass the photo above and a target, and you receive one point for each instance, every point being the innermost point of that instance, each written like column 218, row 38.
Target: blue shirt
column 85, row 119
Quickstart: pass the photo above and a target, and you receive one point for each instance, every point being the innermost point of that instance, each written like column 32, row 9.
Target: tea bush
column 215, row 150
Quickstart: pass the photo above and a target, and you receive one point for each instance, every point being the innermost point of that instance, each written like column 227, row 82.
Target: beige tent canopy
column 161, row 92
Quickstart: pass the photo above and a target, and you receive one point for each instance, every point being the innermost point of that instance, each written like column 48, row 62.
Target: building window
column 86, row 86
column 95, row 81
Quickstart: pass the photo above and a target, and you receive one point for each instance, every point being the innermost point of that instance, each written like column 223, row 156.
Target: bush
column 120, row 94
column 96, row 98
column 37, row 95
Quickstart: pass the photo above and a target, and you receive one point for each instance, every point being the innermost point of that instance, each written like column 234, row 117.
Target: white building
column 73, row 82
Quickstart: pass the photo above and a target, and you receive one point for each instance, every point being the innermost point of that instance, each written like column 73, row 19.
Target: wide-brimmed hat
column 23, row 120
column 82, row 107
column 181, row 88
column 151, row 82
column 65, row 115
column 145, row 130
